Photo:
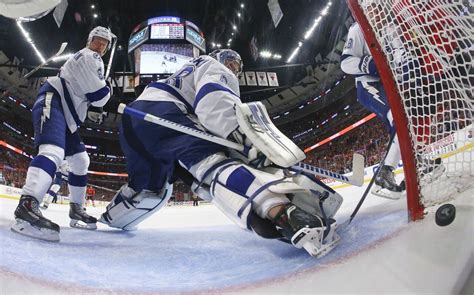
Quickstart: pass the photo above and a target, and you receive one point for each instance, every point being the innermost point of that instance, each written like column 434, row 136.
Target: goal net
column 423, row 50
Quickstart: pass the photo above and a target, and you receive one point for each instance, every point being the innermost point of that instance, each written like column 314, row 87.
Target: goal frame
column 415, row 208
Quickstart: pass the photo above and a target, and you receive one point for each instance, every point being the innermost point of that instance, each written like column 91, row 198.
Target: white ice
column 198, row 250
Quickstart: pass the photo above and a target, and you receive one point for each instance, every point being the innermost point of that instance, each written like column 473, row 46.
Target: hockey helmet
column 229, row 58
column 101, row 32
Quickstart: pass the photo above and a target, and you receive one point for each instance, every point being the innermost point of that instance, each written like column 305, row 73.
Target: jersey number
column 176, row 79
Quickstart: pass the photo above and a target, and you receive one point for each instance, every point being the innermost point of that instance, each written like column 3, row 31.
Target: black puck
column 445, row 214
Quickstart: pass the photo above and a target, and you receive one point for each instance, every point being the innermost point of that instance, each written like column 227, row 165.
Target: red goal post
column 423, row 51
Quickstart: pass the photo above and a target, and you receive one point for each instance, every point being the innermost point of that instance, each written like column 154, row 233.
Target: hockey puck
column 445, row 214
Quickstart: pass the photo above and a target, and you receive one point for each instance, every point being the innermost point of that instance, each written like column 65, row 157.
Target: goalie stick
column 357, row 177
column 58, row 53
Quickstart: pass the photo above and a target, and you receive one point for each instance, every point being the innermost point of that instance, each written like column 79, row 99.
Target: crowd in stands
column 13, row 168
column 369, row 139
column 320, row 124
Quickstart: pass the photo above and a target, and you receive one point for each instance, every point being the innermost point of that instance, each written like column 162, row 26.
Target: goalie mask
column 230, row 59
column 103, row 33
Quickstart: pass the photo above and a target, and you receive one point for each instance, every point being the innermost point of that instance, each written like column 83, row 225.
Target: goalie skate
column 80, row 219
column 314, row 242
column 307, row 231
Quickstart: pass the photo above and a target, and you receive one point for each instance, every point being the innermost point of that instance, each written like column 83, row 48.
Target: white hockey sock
column 394, row 155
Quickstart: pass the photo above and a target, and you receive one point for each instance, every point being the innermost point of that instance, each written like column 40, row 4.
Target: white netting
column 428, row 45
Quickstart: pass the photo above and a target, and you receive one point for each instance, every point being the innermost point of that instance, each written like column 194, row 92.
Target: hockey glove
column 250, row 152
column 96, row 115
column 367, row 65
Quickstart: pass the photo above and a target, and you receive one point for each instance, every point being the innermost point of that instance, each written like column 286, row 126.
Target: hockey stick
column 60, row 51
column 371, row 183
column 358, row 162
column 111, row 58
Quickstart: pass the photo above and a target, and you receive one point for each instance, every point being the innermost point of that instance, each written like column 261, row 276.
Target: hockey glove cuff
column 96, row 115
column 250, row 152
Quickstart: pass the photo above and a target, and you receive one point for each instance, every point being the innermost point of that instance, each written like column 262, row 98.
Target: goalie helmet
column 228, row 58
column 101, row 32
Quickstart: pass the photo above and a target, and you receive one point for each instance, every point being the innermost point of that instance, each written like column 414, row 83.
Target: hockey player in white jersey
column 61, row 106
column 204, row 95
column 59, row 178
column 356, row 60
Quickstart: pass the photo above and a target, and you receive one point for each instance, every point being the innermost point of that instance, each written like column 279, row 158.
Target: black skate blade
column 81, row 225
column 26, row 229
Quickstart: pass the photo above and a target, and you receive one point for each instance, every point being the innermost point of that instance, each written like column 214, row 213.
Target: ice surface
column 197, row 249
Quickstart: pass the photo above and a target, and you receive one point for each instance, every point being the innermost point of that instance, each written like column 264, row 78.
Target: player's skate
column 80, row 219
column 385, row 185
column 47, row 200
column 306, row 231
column 430, row 169
column 30, row 222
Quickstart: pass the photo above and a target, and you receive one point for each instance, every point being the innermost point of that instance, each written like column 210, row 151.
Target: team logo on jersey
column 96, row 55
column 223, row 79
column 349, row 43
column 100, row 74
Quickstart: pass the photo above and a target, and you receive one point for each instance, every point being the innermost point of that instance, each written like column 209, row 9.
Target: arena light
column 309, row 32
column 242, row 5
column 29, row 40
column 95, row 15
column 265, row 54
column 293, row 54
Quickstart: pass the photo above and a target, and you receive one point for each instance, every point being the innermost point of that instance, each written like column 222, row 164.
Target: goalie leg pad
column 309, row 200
column 128, row 208
column 238, row 189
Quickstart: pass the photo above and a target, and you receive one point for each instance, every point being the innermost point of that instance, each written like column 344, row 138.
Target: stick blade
column 121, row 108
column 358, row 169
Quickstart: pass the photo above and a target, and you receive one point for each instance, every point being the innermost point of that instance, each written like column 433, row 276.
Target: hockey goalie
column 270, row 200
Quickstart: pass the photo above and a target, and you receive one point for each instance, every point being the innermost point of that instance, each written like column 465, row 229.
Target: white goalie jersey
column 204, row 87
column 83, row 77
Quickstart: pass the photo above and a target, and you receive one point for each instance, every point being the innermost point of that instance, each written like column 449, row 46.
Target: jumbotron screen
column 162, row 58
column 167, row 31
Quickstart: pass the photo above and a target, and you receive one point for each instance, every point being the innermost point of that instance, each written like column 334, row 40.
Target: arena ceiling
column 215, row 18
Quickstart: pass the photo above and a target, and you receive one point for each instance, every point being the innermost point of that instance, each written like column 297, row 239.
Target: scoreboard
column 167, row 31
column 160, row 45
column 166, row 28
